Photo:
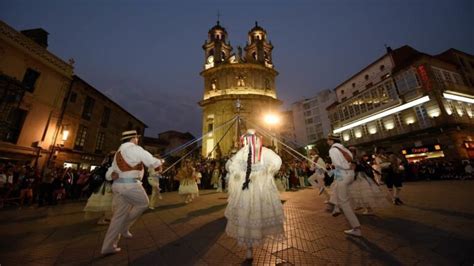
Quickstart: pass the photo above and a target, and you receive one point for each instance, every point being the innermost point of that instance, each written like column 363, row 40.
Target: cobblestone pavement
column 434, row 227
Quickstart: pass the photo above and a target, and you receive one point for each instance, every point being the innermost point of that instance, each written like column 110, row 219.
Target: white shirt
column 133, row 155
column 337, row 158
column 319, row 164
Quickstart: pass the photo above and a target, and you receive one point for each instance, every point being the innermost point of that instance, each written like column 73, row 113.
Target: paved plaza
column 434, row 227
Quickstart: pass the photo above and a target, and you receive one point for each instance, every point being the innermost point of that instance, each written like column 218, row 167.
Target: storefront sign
column 424, row 149
column 425, row 80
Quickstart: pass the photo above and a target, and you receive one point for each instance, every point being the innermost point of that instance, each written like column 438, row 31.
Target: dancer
column 186, row 176
column 254, row 209
column 130, row 199
column 364, row 193
column 341, row 159
column 394, row 178
column 381, row 163
column 317, row 178
column 101, row 197
column 154, row 181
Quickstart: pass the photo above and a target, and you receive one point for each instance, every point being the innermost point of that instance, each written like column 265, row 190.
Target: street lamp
column 271, row 120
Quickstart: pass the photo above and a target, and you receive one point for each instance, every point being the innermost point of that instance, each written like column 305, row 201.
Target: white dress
column 256, row 212
column 365, row 193
column 100, row 201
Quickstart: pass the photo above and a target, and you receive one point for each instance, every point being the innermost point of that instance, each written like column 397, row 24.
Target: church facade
column 236, row 84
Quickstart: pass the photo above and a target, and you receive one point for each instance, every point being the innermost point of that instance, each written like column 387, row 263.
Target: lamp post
column 272, row 120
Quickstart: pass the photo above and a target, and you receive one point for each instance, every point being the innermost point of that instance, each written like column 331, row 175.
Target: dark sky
column 147, row 55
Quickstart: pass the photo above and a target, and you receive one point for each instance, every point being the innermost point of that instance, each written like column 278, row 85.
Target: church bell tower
column 229, row 78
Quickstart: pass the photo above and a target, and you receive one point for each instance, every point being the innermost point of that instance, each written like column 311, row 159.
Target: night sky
column 147, row 55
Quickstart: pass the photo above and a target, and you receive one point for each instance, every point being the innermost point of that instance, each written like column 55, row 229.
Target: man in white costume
column 317, row 179
column 341, row 159
column 130, row 199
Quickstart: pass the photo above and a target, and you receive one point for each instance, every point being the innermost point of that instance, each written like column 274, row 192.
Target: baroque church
column 241, row 83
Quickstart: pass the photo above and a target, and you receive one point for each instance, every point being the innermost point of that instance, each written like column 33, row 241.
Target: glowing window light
column 410, row 120
column 346, row 137
column 434, row 113
column 373, row 130
column 389, row 125
column 458, row 97
column 65, row 135
column 384, row 114
column 358, row 134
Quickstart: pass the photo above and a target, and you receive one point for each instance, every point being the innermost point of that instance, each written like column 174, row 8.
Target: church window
column 240, row 81
column 214, row 84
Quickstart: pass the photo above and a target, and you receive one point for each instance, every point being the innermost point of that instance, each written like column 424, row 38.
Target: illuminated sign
column 425, row 149
column 425, row 80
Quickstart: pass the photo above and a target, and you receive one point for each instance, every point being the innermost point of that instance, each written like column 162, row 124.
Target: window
column 210, row 127
column 88, row 107
column 353, row 85
column 105, row 117
column 366, row 77
column 382, row 67
column 29, row 79
column 307, row 113
column 408, row 81
column 355, row 92
column 73, row 97
column 12, row 130
column 99, row 145
column 447, row 77
column 309, row 121
column 458, row 79
column 306, row 106
column 80, row 138
column 342, row 91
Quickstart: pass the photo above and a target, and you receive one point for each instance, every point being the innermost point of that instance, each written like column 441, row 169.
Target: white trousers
column 342, row 199
column 316, row 180
column 130, row 201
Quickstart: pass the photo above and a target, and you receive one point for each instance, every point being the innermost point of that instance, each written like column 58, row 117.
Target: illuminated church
column 241, row 83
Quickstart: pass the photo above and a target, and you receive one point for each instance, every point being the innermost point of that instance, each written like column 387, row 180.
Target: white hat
column 129, row 134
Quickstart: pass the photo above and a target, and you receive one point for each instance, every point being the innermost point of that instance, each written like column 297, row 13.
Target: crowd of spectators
column 21, row 184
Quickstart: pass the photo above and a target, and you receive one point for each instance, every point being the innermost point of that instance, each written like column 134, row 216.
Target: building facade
column 91, row 127
column 412, row 103
column 310, row 117
column 49, row 115
column 33, row 86
column 236, row 84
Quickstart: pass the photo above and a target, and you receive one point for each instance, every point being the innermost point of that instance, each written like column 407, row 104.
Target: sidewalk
column 435, row 227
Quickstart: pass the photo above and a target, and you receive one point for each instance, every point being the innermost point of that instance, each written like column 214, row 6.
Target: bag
column 348, row 158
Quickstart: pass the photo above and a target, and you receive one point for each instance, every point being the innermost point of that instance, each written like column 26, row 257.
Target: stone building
column 33, row 85
column 236, row 83
column 418, row 105
column 94, row 125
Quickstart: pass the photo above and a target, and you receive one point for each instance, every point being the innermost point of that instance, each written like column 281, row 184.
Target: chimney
column 38, row 35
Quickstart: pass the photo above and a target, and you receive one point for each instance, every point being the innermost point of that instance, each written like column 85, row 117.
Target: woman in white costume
column 100, row 200
column 188, row 188
column 154, row 181
column 364, row 193
column 254, row 209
